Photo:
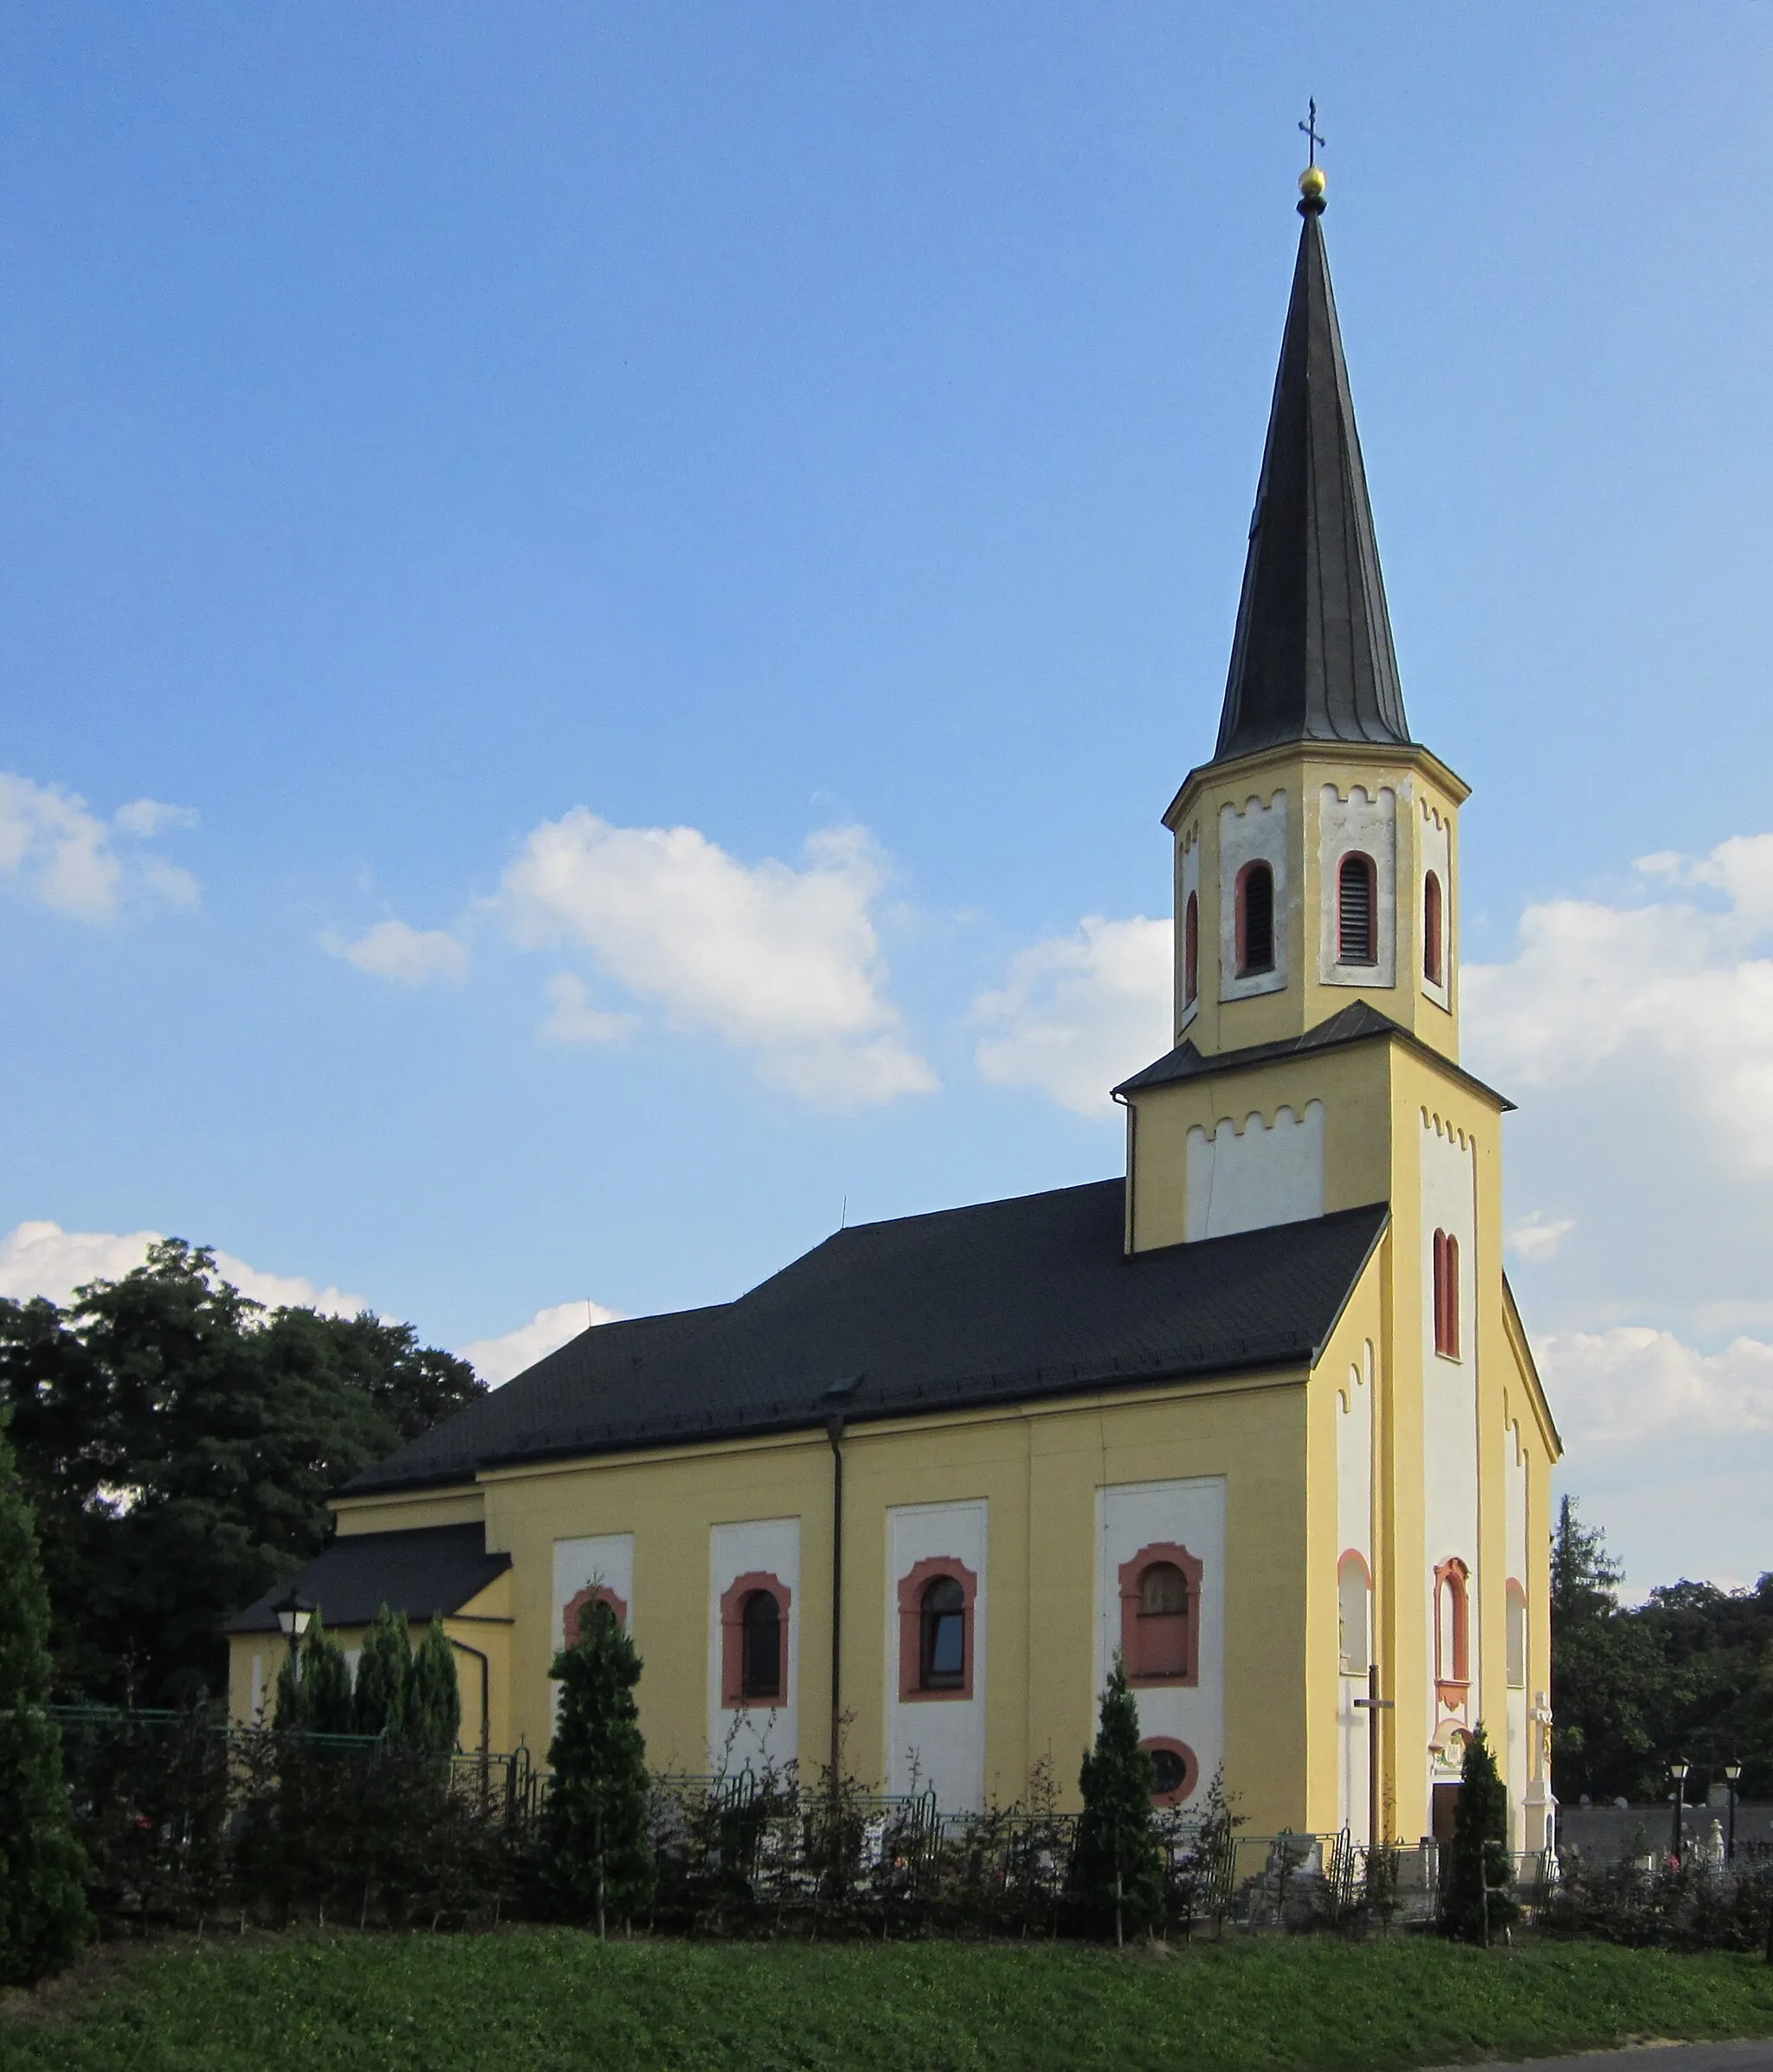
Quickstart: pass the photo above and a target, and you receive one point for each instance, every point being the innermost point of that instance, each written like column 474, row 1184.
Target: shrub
column 597, row 1856
column 43, row 1916
column 1116, row 1866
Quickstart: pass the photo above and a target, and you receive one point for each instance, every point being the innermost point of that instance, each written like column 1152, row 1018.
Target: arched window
column 1160, row 1615
column 942, row 1636
column 1433, row 931
column 1516, row 1599
column 1354, row 1603
column 1191, row 949
column 1357, row 918
column 754, row 1653
column 1164, row 1607
column 1445, row 1296
column 1255, row 920
column 573, row 1613
column 1452, row 1631
column 761, row 1646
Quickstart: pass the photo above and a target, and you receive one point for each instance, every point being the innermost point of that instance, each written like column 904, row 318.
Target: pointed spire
column 1312, row 660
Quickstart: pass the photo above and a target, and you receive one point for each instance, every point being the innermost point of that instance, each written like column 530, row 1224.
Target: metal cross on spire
column 1309, row 129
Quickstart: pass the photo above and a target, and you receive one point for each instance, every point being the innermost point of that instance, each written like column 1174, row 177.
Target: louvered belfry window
column 1255, row 920
column 1354, row 916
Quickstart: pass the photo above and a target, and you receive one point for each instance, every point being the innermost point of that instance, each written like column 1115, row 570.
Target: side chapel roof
column 426, row 1573
column 1004, row 1302
column 1311, row 659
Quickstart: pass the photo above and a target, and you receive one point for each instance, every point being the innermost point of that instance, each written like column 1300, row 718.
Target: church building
column 1259, row 1417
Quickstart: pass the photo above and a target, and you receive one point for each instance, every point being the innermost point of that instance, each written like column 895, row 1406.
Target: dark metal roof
column 1311, row 659
column 1005, row 1302
column 436, row 1569
column 1359, row 1023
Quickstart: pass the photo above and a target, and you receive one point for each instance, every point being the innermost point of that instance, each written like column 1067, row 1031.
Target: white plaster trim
column 1188, row 880
column 1255, row 831
column 1251, row 1177
column 1434, row 852
column 1368, row 824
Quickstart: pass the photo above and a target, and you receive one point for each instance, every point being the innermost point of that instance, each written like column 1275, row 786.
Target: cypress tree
column 326, row 1681
column 289, row 1714
column 43, row 1917
column 1474, row 1896
column 598, row 1857
column 431, row 1715
column 1117, row 1867
column 382, row 1672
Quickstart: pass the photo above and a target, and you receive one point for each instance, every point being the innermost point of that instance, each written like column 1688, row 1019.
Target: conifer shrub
column 379, row 1700
column 44, row 1915
column 326, row 1683
column 431, row 1712
column 1117, row 1867
column 1475, row 1897
column 598, row 1857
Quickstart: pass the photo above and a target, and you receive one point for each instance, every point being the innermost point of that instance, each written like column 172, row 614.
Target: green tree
column 598, row 1857
column 1475, row 1900
column 289, row 1711
column 43, row 1917
column 1115, row 1865
column 326, row 1682
column 1611, row 1686
column 178, row 1443
column 382, row 1672
column 431, row 1716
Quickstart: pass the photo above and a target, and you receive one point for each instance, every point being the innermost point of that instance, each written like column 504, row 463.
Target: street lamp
column 1732, row 1775
column 1678, row 1770
column 293, row 1613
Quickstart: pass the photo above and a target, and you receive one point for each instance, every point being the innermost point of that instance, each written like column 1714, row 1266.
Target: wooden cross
column 1309, row 128
column 1372, row 1705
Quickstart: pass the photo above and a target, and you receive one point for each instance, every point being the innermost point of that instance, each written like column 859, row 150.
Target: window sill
column 754, row 1705
column 917, row 1696
column 1452, row 1360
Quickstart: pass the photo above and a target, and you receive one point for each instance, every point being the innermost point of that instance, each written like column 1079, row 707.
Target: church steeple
column 1311, row 659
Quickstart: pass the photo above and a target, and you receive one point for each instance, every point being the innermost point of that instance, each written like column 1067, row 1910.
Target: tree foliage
column 598, row 1856
column 177, row 1443
column 383, row 1669
column 431, row 1717
column 1688, row 1673
column 1117, row 1835
column 1475, row 1902
column 43, row 1918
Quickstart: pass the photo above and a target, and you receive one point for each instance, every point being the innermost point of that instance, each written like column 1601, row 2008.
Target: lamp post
column 1732, row 1776
column 1678, row 1770
column 293, row 1613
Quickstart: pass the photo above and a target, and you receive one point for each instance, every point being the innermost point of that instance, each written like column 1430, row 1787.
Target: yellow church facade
column 1258, row 1416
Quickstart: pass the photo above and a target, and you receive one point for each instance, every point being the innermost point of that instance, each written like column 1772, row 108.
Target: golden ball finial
column 1311, row 190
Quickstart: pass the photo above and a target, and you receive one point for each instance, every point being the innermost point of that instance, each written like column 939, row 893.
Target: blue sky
column 441, row 446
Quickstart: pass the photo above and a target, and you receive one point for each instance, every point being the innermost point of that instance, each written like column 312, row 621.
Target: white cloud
column 408, row 956
column 57, row 852
column 1630, row 1385
column 1669, row 989
column 43, row 1259
column 780, row 962
column 496, row 1360
column 1536, row 1238
column 572, row 1019
column 1078, row 1014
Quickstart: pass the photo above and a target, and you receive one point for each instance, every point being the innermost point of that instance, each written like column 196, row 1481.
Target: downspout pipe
column 833, row 1432
column 486, row 1698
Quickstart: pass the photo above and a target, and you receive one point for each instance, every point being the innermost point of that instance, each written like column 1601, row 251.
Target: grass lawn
column 532, row 2000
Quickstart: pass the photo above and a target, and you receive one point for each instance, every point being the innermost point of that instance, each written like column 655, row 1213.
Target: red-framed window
column 1176, row 1770
column 1356, row 911
column 1160, row 1615
column 574, row 1609
column 1452, row 1631
column 754, row 1610
column 1191, row 950
column 936, row 1601
column 1434, row 931
column 1256, row 919
column 1446, row 1292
